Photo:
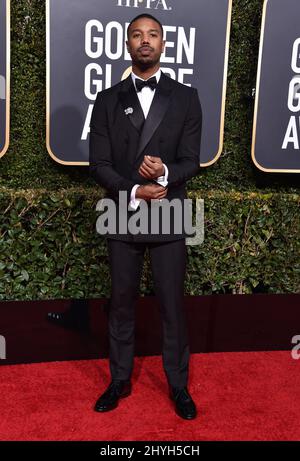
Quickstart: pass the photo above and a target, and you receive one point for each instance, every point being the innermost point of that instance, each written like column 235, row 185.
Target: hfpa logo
column 148, row 4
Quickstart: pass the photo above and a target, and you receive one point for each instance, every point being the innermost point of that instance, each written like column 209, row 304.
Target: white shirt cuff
column 163, row 180
column 134, row 203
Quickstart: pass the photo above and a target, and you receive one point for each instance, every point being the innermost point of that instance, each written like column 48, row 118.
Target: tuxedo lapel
column 131, row 104
column 156, row 113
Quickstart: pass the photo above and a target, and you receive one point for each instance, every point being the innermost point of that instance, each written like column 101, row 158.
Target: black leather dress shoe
column 184, row 404
column 117, row 389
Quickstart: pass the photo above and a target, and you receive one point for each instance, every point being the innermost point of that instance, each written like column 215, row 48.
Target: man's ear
column 163, row 46
column 127, row 45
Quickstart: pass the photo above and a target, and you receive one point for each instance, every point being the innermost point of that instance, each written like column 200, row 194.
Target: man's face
column 145, row 43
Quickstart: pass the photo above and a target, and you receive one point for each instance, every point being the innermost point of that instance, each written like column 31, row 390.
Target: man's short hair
column 145, row 15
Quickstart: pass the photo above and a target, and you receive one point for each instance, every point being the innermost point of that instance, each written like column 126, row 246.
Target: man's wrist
column 138, row 189
column 163, row 171
column 162, row 175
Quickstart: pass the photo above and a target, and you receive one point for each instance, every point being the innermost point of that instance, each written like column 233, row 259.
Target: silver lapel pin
column 129, row 110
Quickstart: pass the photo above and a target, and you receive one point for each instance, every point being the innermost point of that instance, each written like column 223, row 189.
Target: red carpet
column 240, row 396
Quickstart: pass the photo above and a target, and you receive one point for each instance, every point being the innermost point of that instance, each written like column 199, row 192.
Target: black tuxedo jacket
column 119, row 139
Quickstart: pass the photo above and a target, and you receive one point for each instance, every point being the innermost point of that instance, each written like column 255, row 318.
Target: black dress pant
column 168, row 264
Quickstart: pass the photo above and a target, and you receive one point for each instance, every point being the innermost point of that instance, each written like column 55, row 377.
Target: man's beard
column 145, row 64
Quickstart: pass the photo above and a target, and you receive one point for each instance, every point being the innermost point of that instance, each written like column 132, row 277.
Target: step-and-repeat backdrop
column 276, row 128
column 4, row 75
column 86, row 53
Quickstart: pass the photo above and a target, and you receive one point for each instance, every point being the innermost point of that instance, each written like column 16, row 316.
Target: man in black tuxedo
column 145, row 141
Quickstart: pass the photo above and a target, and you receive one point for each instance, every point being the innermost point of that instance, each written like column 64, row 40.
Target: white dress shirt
column 146, row 96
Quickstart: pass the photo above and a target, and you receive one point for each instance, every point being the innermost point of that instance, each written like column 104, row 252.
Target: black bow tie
column 139, row 84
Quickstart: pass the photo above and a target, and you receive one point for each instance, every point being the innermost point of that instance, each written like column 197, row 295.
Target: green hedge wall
column 48, row 244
